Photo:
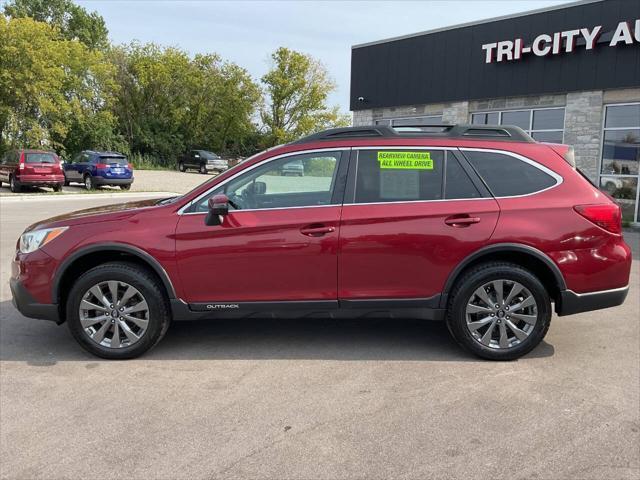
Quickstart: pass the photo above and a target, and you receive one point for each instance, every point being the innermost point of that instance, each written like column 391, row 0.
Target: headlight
column 33, row 240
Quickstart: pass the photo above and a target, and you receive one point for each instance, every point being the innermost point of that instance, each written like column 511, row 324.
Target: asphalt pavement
column 311, row 399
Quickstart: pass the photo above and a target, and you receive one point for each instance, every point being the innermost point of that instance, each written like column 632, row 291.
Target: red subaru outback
column 481, row 227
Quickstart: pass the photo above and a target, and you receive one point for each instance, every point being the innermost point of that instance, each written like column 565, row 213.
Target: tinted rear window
column 40, row 158
column 113, row 159
column 508, row 176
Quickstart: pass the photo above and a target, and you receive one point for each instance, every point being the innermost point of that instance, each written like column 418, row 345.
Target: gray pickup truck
column 203, row 161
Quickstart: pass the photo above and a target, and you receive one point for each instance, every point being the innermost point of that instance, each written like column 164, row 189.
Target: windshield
column 40, row 158
column 208, row 155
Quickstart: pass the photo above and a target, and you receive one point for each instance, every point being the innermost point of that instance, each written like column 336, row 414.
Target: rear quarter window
column 508, row 176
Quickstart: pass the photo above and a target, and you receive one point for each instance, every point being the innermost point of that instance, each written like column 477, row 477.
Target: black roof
column 466, row 132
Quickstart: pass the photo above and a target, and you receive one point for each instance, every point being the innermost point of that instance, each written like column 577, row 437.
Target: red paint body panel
column 259, row 256
column 405, row 250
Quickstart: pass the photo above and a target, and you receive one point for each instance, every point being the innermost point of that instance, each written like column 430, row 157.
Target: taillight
column 102, row 165
column 129, row 166
column 607, row 216
column 21, row 165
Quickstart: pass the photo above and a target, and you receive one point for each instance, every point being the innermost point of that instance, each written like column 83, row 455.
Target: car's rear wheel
column 57, row 188
column 499, row 311
column 117, row 311
column 125, row 187
column 181, row 167
column 14, row 186
column 88, row 182
column 203, row 169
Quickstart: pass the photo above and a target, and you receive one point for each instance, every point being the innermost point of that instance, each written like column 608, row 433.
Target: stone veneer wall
column 583, row 117
column 583, row 129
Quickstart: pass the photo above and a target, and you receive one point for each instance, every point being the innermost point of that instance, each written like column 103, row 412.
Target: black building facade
column 567, row 74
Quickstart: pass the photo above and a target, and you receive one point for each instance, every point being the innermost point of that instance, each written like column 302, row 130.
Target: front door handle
column 316, row 230
column 461, row 221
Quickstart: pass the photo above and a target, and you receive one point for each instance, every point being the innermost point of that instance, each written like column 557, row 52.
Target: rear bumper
column 27, row 305
column 36, row 180
column 571, row 302
column 97, row 180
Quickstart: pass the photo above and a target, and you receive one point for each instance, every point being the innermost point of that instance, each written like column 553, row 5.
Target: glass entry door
column 621, row 157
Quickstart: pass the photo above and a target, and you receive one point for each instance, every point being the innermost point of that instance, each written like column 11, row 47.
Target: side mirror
column 218, row 209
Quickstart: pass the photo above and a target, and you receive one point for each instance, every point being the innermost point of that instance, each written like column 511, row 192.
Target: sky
column 246, row 32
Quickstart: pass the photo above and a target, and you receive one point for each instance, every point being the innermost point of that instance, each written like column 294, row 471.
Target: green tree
column 297, row 87
column 73, row 21
column 169, row 102
column 54, row 92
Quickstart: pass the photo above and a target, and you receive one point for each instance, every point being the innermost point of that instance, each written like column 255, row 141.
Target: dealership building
column 567, row 74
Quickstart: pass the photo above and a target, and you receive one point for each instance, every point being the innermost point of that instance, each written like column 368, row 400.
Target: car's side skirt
column 423, row 308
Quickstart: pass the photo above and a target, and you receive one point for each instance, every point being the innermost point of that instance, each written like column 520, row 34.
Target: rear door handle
column 461, row 220
column 316, row 230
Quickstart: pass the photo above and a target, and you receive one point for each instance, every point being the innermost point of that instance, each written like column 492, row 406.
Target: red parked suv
column 481, row 227
column 32, row 168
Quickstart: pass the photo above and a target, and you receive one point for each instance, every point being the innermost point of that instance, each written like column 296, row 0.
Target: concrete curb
column 79, row 196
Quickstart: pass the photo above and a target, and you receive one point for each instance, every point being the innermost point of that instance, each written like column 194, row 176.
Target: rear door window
column 398, row 175
column 508, row 176
column 40, row 158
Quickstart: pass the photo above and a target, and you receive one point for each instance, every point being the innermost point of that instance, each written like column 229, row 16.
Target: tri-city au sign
column 559, row 42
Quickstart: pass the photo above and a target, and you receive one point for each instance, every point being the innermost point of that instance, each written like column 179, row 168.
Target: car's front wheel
column 181, row 167
column 499, row 311
column 203, row 169
column 117, row 311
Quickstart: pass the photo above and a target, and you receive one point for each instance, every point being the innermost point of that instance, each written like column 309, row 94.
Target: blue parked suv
column 95, row 169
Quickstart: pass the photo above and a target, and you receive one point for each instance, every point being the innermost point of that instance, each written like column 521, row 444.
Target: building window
column 619, row 168
column 543, row 124
column 421, row 121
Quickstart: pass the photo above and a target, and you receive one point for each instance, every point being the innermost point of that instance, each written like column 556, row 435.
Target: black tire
column 88, row 182
column 475, row 278
column 181, row 167
column 13, row 185
column 57, row 188
column 203, row 169
column 125, row 187
column 142, row 280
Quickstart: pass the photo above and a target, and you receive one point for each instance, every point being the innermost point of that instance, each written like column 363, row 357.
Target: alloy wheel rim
column 87, row 182
column 501, row 314
column 114, row 314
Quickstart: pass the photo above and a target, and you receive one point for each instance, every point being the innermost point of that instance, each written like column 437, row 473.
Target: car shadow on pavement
column 44, row 343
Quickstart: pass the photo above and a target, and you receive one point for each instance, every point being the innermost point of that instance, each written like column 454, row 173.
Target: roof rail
column 461, row 131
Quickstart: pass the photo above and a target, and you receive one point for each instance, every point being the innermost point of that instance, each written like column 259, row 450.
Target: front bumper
column 27, row 305
column 571, row 302
column 217, row 167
